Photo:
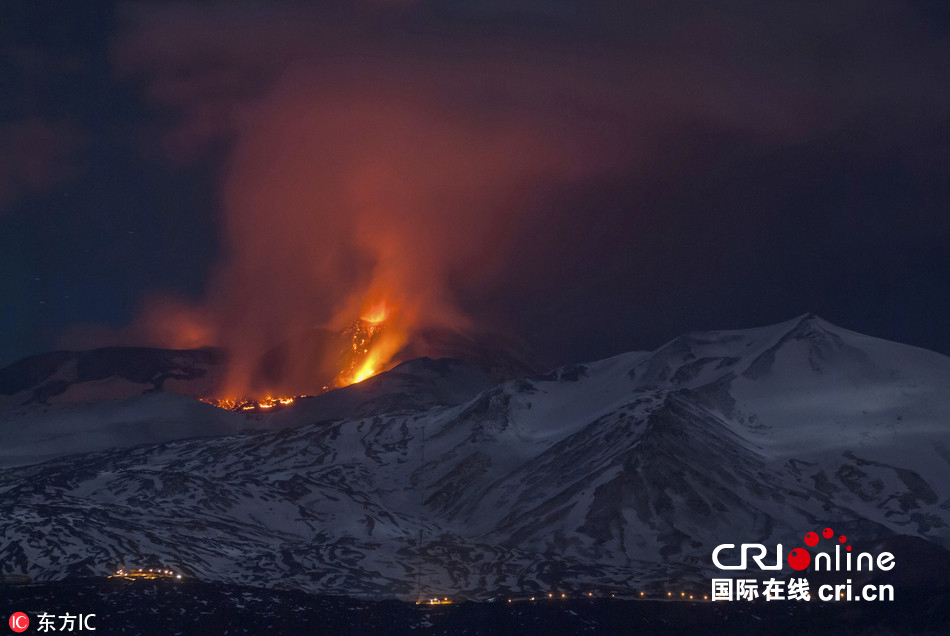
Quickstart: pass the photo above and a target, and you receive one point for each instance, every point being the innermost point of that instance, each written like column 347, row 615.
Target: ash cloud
column 425, row 153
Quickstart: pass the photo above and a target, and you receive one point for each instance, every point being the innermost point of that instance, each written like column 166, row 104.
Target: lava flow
column 266, row 403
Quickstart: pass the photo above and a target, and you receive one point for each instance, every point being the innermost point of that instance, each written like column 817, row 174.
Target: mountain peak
column 814, row 320
column 811, row 325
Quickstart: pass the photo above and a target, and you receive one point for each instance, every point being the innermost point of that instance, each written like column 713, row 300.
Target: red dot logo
column 827, row 533
column 19, row 622
column 799, row 558
column 811, row 539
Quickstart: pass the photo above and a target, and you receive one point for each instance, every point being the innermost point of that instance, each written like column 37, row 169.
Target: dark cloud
column 596, row 176
column 35, row 155
column 42, row 136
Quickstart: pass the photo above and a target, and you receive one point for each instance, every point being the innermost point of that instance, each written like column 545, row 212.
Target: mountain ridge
column 617, row 473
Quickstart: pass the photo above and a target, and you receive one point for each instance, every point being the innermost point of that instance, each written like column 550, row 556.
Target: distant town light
column 142, row 573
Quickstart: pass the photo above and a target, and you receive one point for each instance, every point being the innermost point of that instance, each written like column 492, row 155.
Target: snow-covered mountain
column 33, row 432
column 67, row 402
column 615, row 474
column 110, row 373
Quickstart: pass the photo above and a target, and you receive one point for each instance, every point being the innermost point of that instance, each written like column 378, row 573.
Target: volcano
column 432, row 478
column 313, row 362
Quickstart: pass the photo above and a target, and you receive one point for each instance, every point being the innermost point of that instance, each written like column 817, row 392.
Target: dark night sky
column 674, row 167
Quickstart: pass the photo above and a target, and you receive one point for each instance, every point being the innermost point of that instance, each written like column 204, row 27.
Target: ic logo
column 19, row 622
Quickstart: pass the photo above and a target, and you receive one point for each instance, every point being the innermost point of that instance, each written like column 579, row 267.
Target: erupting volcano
column 355, row 217
column 374, row 340
column 360, row 351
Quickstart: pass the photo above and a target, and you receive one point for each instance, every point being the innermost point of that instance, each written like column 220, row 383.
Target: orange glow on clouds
column 354, row 194
column 376, row 314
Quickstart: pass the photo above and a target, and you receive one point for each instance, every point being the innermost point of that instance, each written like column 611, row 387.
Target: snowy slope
column 43, row 432
column 617, row 474
column 110, row 373
column 35, row 432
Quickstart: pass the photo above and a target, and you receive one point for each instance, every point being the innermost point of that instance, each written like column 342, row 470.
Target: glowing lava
column 266, row 403
column 373, row 340
column 366, row 348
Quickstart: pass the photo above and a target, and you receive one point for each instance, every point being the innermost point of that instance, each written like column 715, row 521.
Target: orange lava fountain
column 370, row 343
column 374, row 339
